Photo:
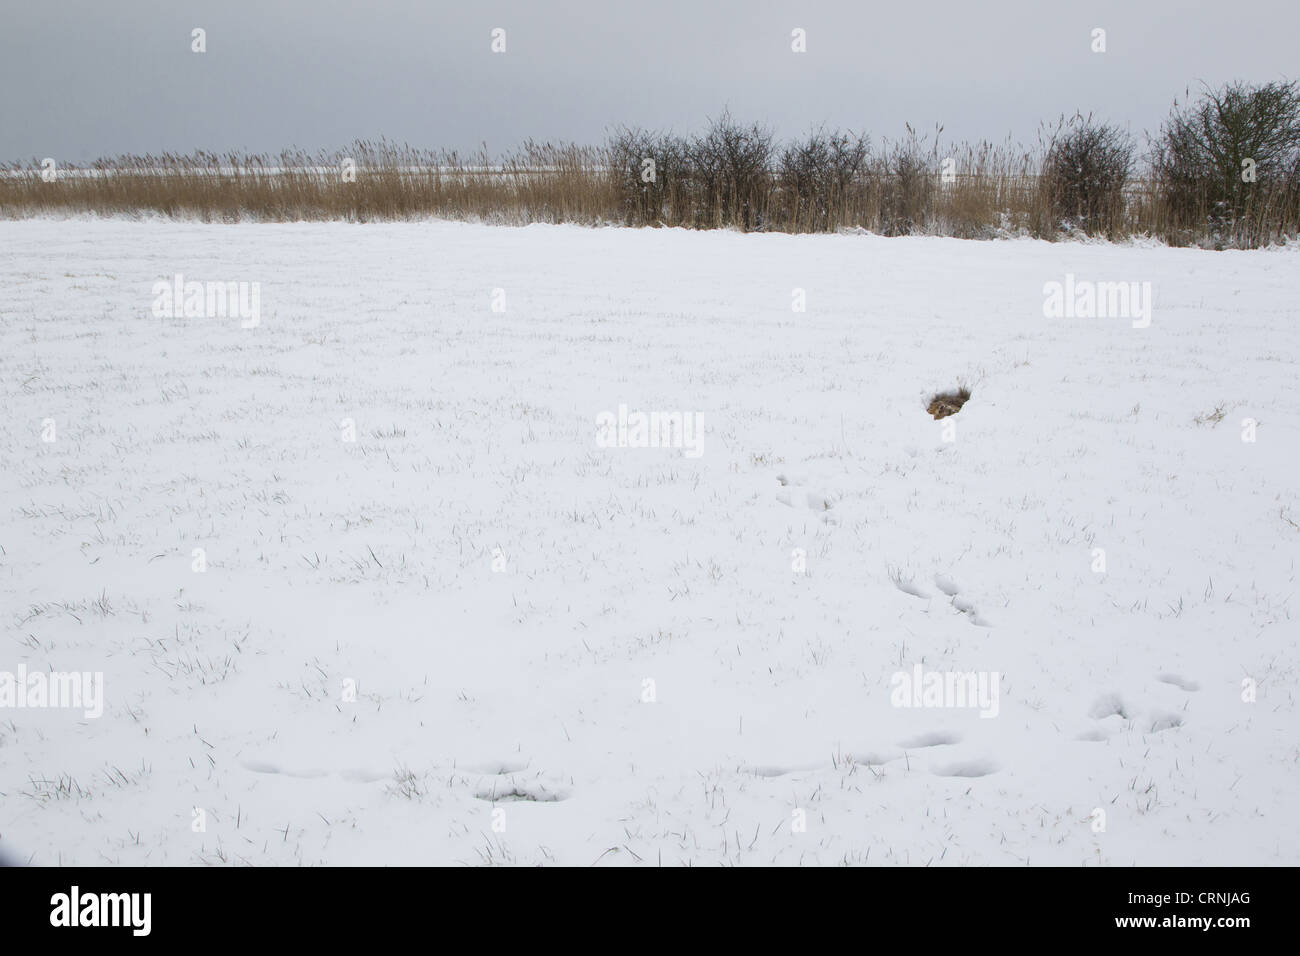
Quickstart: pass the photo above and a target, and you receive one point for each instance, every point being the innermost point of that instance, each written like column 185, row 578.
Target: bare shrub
column 732, row 167
column 1088, row 164
column 652, row 176
column 1228, row 162
column 819, row 179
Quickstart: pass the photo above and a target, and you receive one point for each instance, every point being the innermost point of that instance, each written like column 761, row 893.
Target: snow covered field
column 483, row 632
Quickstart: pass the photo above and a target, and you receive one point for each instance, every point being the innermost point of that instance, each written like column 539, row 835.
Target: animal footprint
column 963, row 604
column 981, row 767
column 514, row 789
column 352, row 776
column 947, row 585
column 938, row 738
column 1161, row 722
column 798, row 497
column 780, row 770
column 905, row 583
column 1108, row 705
column 1112, row 705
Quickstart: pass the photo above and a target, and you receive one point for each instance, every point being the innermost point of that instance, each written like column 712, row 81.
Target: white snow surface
column 646, row 680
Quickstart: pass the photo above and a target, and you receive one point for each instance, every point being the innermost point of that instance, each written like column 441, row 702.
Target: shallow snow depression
column 496, row 545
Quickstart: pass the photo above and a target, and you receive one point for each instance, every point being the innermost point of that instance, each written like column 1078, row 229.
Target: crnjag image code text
column 716, row 435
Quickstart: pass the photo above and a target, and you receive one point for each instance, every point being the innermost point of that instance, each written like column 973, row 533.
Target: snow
column 567, row 652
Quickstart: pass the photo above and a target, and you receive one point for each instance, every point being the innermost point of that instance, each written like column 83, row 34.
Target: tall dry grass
column 369, row 181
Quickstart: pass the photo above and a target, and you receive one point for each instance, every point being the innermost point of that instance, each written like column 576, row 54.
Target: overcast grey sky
column 84, row 78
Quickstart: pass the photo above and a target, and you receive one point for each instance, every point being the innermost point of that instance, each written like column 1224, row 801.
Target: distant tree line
column 1222, row 170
